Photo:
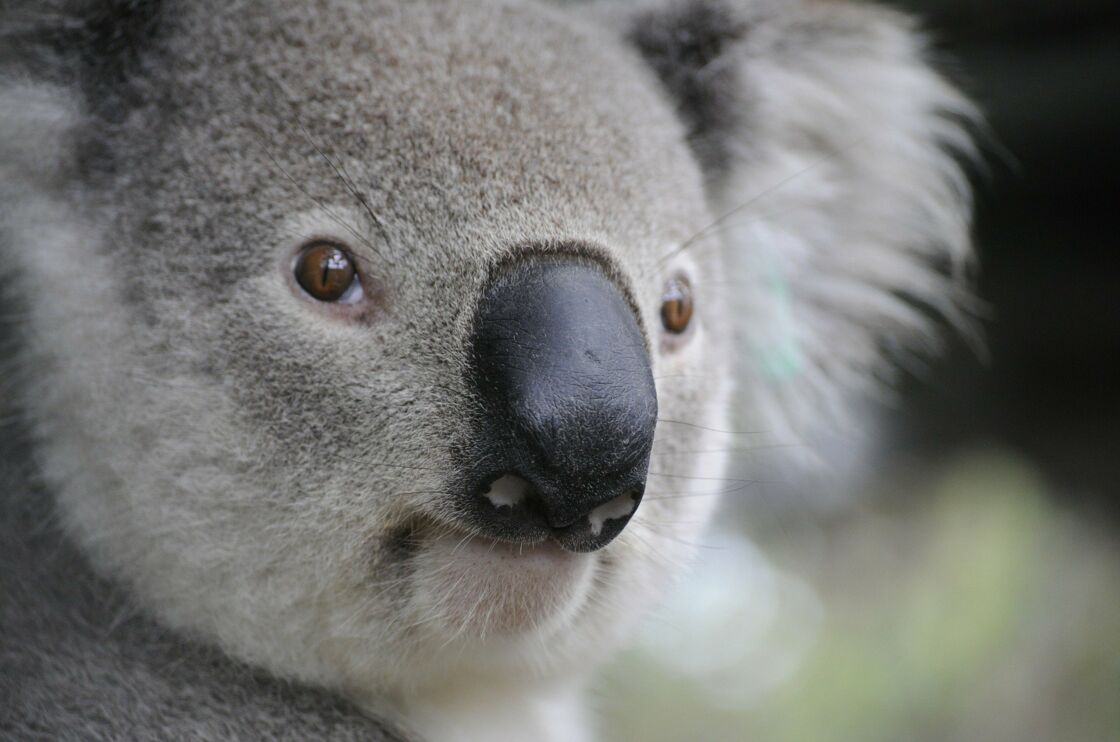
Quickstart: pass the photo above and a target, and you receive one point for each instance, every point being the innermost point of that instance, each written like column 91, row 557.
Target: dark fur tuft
column 98, row 47
column 685, row 45
column 98, row 44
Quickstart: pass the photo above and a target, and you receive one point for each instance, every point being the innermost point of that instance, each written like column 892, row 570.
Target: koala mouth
column 481, row 587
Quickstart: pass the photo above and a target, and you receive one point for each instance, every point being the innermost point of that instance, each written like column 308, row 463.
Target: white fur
column 848, row 221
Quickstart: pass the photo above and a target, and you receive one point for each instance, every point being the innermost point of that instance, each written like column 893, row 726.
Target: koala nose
column 569, row 405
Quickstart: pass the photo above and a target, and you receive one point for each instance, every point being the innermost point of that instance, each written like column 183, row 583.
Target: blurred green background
column 976, row 609
column 967, row 586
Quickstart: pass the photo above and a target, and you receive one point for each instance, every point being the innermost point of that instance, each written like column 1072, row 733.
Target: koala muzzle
column 569, row 406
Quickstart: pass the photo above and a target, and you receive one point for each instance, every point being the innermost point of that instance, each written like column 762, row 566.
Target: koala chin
column 379, row 358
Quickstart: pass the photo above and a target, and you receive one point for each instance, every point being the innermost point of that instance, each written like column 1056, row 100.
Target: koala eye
column 676, row 305
column 326, row 272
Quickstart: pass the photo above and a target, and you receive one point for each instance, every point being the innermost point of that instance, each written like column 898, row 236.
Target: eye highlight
column 326, row 272
column 676, row 305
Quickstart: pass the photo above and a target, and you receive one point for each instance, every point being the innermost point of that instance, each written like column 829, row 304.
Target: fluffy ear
column 831, row 149
column 87, row 54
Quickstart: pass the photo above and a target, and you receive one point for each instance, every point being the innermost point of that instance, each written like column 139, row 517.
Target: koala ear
column 831, row 152
column 71, row 70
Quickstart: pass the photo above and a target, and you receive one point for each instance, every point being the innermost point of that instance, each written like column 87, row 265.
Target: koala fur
column 235, row 522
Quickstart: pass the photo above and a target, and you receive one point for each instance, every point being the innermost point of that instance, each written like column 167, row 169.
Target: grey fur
column 269, row 483
column 80, row 664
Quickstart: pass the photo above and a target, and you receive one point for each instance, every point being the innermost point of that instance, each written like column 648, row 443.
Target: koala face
column 363, row 363
column 387, row 345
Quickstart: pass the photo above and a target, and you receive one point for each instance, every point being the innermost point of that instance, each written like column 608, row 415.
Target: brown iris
column 676, row 305
column 325, row 271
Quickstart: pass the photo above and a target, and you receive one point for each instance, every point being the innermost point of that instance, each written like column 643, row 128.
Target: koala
column 368, row 365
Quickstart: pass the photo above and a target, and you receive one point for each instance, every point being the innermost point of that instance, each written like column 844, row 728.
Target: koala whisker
column 692, row 477
column 658, row 530
column 468, row 615
column 266, row 147
column 674, row 523
column 688, row 494
column 650, row 541
column 318, row 202
column 748, row 449
column 463, row 542
column 710, row 430
column 344, row 177
column 726, row 216
column 685, row 495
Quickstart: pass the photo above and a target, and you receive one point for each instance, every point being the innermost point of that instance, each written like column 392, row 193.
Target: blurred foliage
column 963, row 605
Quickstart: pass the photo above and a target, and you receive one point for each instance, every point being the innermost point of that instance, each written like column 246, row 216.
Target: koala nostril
column 510, row 508
column 507, row 491
column 597, row 526
column 622, row 506
column 513, row 508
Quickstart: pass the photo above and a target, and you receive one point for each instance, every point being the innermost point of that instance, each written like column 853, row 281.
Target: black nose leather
column 560, row 365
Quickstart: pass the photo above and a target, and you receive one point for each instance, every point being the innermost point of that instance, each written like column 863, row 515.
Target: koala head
column 393, row 346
